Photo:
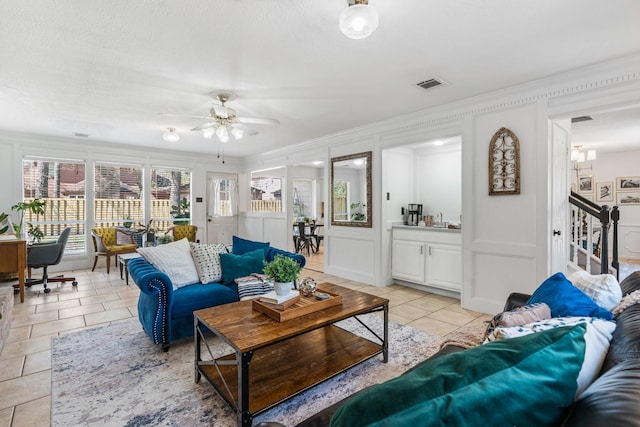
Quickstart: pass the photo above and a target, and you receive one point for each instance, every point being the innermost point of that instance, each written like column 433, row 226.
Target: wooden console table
column 13, row 258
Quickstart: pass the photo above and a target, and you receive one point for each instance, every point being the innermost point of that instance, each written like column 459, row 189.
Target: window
column 266, row 191
column 170, row 197
column 61, row 184
column 118, row 195
column 340, row 200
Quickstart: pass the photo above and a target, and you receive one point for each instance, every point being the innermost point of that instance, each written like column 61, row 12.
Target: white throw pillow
column 207, row 261
column 597, row 339
column 173, row 259
column 604, row 289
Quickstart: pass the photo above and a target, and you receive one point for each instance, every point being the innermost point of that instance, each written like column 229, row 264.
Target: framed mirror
column 351, row 190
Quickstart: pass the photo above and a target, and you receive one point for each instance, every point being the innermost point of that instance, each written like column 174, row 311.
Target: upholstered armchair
column 110, row 242
column 179, row 232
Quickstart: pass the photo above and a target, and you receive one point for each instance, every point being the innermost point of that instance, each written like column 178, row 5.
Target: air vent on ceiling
column 428, row 84
column 581, row 119
column 81, row 135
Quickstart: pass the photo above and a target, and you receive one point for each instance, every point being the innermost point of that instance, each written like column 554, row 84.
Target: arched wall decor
column 504, row 163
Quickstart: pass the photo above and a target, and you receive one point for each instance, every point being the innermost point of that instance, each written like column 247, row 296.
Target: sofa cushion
column 242, row 246
column 234, row 266
column 173, row 259
column 597, row 338
column 604, row 289
column 566, row 300
column 191, row 298
column 207, row 261
column 504, row 383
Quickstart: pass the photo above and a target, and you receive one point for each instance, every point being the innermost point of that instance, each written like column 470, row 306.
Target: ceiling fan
column 223, row 121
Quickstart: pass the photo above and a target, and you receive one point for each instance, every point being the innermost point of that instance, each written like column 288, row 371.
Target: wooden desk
column 13, row 258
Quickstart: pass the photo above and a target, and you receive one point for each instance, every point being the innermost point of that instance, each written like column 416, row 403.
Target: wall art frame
column 504, row 163
column 585, row 184
column 628, row 183
column 604, row 191
column 626, row 198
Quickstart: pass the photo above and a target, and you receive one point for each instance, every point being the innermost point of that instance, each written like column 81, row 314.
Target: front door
column 222, row 207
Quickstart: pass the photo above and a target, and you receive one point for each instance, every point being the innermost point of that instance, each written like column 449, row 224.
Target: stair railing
column 583, row 212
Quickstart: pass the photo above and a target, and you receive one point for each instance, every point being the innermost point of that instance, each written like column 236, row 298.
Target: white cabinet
column 432, row 258
column 408, row 260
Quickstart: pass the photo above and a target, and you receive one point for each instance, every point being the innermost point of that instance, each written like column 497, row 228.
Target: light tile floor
column 101, row 298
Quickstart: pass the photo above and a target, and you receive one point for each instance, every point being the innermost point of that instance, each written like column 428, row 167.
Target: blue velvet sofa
column 166, row 314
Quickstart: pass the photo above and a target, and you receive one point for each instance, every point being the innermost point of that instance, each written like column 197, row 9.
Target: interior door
column 222, row 207
column 560, row 141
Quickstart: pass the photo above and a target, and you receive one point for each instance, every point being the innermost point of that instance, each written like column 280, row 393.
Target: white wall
column 439, row 182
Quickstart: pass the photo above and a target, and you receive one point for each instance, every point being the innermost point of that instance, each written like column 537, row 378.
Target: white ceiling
column 107, row 68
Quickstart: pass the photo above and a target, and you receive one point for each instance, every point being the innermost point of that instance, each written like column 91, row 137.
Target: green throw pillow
column 527, row 381
column 234, row 266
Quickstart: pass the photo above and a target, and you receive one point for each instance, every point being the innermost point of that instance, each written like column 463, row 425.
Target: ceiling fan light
column 224, row 138
column 359, row 20
column 208, row 132
column 222, row 132
column 170, row 135
column 237, row 133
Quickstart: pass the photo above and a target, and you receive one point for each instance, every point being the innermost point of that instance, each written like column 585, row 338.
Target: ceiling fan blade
column 258, row 121
column 183, row 115
column 221, row 111
column 244, row 128
column 204, row 126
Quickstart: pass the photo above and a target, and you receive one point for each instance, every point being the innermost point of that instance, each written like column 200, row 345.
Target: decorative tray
column 302, row 306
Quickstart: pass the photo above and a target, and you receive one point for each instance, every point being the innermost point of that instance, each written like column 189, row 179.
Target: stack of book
column 280, row 302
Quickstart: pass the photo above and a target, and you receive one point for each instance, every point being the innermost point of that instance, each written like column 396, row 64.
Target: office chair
column 42, row 255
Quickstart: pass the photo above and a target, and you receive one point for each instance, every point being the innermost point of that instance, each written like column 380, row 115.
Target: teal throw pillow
column 234, row 266
column 527, row 381
column 566, row 300
column 242, row 246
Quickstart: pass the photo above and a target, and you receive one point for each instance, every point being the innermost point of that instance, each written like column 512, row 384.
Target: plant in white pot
column 282, row 271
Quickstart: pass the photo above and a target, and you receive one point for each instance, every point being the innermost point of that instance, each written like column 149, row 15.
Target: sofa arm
column 271, row 252
column 514, row 300
column 155, row 301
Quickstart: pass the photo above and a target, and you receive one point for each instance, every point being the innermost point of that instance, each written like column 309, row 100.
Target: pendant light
column 170, row 135
column 358, row 20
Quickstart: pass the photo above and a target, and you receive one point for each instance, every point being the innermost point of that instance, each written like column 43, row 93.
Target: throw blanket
column 627, row 301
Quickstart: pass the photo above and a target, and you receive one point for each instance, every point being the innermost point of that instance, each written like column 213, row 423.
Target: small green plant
column 36, row 207
column 181, row 210
column 282, row 269
column 164, row 239
column 357, row 214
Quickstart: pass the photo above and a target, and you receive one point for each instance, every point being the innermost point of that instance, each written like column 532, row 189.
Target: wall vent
column 428, row 84
column 81, row 135
column 581, row 119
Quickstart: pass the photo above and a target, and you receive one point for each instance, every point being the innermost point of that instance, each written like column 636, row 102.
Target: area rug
column 115, row 376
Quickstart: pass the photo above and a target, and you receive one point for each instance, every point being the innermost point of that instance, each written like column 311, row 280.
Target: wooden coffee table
column 273, row 361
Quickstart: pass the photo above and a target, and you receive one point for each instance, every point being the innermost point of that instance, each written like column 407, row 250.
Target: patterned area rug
column 115, row 376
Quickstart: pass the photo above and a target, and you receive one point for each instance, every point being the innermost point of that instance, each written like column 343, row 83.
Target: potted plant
column 282, row 271
column 181, row 210
column 36, row 207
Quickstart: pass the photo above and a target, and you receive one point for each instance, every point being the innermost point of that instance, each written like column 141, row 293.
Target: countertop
column 418, row 228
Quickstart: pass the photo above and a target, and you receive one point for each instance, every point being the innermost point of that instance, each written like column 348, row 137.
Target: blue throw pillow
column 234, row 266
column 242, row 246
column 526, row 381
column 565, row 300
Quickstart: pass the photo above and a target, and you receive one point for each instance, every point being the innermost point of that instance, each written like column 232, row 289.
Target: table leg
column 120, row 268
column 385, row 344
column 244, row 415
column 197, row 343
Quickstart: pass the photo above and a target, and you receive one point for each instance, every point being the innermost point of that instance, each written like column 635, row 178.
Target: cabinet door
column 408, row 260
column 445, row 267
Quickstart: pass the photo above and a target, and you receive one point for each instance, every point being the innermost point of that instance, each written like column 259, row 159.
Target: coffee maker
column 414, row 214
